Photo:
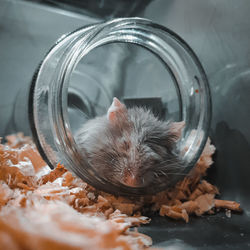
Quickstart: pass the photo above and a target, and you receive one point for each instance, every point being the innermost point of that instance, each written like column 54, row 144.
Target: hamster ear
column 116, row 110
column 176, row 128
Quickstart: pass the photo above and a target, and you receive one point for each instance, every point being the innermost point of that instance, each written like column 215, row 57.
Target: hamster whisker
column 143, row 180
column 100, row 161
column 162, row 172
column 173, row 165
column 168, row 161
column 176, row 173
column 156, row 175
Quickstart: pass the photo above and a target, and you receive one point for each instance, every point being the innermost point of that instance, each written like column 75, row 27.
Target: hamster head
column 131, row 146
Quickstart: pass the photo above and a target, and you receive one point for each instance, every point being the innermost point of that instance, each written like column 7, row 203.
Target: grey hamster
column 131, row 146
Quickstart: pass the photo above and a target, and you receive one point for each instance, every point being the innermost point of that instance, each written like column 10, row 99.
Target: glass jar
column 73, row 85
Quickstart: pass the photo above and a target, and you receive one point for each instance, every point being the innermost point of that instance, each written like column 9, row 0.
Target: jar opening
column 78, row 87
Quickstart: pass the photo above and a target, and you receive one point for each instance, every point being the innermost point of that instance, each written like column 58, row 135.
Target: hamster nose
column 130, row 181
column 133, row 181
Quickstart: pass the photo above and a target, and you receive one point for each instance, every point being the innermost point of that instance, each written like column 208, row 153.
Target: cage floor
column 206, row 232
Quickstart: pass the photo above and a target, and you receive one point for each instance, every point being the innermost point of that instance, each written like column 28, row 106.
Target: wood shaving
column 52, row 209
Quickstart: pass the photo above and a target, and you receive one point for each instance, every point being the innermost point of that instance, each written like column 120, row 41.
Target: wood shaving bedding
column 52, row 209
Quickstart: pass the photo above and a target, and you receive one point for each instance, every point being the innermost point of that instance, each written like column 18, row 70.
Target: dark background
column 218, row 32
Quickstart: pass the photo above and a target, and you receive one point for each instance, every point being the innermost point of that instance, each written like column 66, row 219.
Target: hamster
column 131, row 146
